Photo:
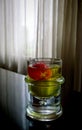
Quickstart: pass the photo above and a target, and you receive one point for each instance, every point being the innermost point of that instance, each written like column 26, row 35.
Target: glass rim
column 42, row 59
column 45, row 59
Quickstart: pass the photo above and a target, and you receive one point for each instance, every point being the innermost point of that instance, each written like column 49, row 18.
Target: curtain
column 41, row 28
column 78, row 54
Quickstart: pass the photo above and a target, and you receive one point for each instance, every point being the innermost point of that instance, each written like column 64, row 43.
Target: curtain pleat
column 69, row 45
column 78, row 50
column 2, row 33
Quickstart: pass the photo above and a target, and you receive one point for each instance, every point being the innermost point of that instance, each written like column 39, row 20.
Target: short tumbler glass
column 43, row 82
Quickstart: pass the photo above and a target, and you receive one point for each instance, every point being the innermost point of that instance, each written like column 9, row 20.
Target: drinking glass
column 43, row 81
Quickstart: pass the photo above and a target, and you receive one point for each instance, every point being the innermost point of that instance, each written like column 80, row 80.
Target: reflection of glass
column 44, row 88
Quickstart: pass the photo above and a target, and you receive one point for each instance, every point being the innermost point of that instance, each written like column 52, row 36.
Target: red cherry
column 40, row 65
column 39, row 71
column 34, row 73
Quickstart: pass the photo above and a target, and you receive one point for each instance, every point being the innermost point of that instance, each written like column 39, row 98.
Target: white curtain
column 29, row 28
column 38, row 28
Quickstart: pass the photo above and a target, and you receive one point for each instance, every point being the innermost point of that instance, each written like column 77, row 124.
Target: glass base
column 44, row 109
column 43, row 116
